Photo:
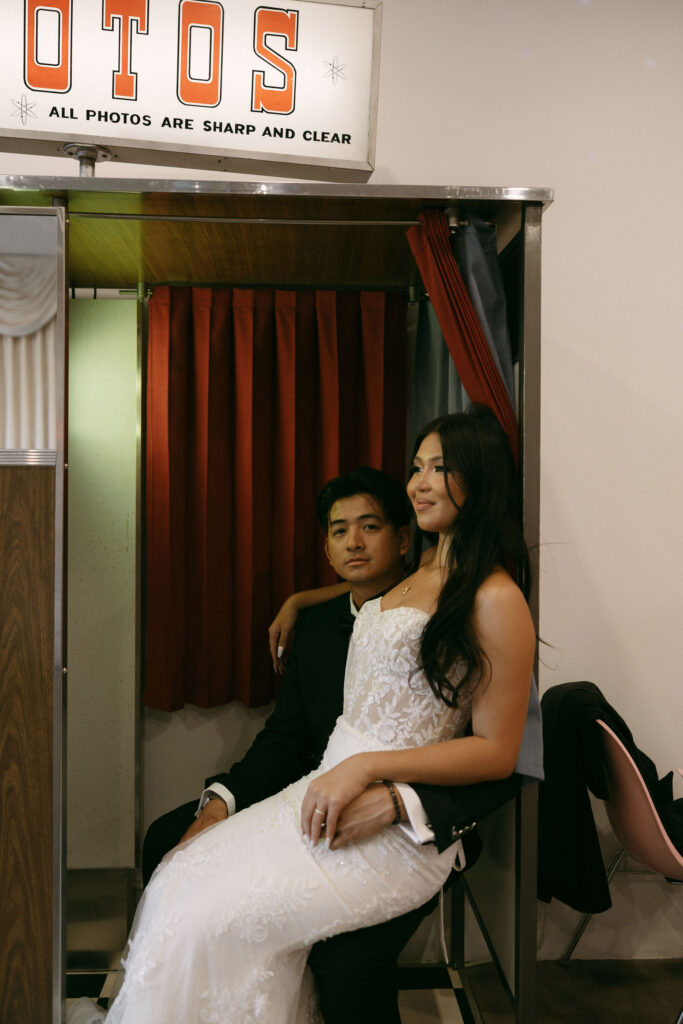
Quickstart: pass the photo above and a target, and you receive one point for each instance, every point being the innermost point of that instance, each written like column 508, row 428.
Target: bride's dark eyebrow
column 432, row 458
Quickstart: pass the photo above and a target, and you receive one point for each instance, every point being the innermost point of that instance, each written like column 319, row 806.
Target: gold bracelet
column 394, row 797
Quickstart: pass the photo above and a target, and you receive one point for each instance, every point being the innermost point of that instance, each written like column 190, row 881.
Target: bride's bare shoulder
column 501, row 605
column 498, row 585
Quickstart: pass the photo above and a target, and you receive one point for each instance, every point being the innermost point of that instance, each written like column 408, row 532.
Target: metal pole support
column 87, row 157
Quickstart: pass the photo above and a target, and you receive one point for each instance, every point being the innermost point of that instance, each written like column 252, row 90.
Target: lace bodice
column 385, row 698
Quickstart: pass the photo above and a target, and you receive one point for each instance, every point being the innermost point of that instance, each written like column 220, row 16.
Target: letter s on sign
column 47, row 45
column 271, row 21
column 125, row 81
column 197, row 17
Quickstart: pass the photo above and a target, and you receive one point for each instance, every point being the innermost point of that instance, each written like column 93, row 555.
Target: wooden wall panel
column 26, row 671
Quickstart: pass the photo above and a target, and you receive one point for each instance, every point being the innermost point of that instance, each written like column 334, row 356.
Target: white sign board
column 198, row 82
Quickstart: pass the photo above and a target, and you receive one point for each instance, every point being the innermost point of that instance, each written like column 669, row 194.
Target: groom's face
column 363, row 546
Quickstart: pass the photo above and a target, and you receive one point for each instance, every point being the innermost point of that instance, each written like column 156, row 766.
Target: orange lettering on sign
column 271, row 21
column 125, row 81
column 200, row 14
column 47, row 31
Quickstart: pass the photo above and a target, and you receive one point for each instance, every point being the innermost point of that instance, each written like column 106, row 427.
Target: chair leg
column 577, row 935
column 611, row 868
column 457, row 943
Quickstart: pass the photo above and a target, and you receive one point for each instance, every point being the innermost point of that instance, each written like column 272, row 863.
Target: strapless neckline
column 401, row 608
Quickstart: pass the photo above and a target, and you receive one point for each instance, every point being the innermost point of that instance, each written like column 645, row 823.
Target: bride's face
column 435, row 509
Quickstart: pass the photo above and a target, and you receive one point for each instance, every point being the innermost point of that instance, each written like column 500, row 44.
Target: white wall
column 181, row 749
column 583, row 96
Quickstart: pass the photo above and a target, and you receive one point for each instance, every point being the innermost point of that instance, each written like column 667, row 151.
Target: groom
column 367, row 519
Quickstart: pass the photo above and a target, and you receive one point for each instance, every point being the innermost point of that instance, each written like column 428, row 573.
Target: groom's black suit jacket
column 310, row 700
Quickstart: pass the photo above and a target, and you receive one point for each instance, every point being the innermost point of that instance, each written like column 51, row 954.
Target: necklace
column 405, row 590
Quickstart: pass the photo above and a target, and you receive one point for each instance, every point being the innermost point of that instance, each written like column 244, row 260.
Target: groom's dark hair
column 387, row 492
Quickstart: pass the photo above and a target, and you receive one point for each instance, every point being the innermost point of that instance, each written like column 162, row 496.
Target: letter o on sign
column 47, row 45
column 200, row 52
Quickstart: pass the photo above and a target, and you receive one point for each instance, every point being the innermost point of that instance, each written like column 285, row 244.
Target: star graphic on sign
column 335, row 70
column 23, row 109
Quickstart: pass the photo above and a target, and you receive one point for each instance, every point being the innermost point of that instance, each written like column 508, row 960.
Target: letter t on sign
column 124, row 81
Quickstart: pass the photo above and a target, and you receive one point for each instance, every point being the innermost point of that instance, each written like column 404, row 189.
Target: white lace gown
column 224, row 928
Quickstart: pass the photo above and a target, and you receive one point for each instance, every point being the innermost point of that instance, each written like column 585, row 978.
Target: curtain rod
column 93, row 292
column 270, row 221
column 453, row 223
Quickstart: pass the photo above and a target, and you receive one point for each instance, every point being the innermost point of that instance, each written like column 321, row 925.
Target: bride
column 224, row 926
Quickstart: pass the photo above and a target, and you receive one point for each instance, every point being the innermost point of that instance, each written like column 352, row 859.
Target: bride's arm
column 280, row 629
column 506, row 636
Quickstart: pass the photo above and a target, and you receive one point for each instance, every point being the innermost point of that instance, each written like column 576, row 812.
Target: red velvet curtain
column 254, row 400
column 462, row 331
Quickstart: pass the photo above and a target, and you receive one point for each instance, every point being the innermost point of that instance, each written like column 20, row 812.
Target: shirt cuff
column 417, row 827
column 220, row 790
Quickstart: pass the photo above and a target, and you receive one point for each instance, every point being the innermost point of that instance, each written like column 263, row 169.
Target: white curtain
column 28, row 335
column 28, row 389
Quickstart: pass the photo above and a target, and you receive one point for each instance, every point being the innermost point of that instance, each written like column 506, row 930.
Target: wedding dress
column 224, row 927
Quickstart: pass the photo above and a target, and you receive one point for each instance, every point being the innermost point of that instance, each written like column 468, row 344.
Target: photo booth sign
column 224, row 85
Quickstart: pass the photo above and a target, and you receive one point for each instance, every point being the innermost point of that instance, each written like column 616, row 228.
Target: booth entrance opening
column 128, row 236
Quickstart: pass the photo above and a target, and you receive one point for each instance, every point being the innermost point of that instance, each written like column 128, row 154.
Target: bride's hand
column 327, row 795
column 280, row 632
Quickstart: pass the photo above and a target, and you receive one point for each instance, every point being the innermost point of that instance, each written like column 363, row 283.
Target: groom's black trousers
column 355, row 973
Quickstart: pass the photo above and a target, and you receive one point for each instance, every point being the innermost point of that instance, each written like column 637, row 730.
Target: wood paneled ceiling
column 243, row 233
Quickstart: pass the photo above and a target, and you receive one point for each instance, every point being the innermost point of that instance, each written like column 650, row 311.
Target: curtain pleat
column 395, row 377
column 254, row 399
column 327, row 365
column 28, row 292
column 431, row 247
column 28, row 348
column 372, row 327
column 165, row 492
column 242, row 499
column 437, row 387
column 209, row 623
column 28, row 389
column 284, row 468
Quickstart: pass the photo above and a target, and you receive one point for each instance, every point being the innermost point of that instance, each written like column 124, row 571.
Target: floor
column 591, row 992
column 581, row 992
column 429, row 1006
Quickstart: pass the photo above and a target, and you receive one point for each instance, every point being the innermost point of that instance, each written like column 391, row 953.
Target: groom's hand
column 215, row 810
column 366, row 815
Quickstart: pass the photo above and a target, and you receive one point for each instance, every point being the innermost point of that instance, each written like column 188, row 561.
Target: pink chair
column 634, row 819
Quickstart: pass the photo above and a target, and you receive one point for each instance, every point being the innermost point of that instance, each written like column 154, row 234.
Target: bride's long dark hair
column 486, row 534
